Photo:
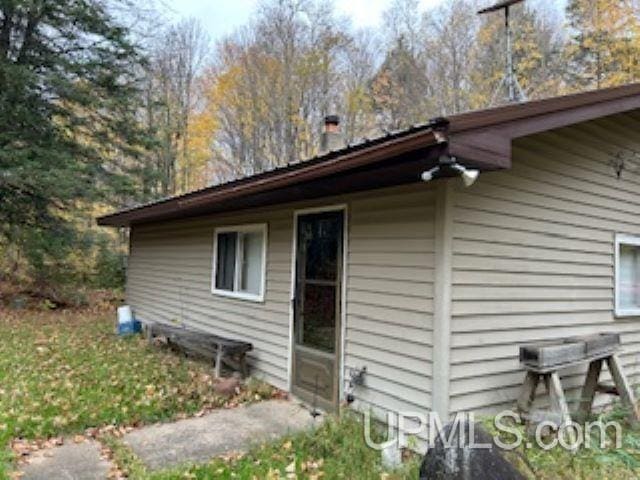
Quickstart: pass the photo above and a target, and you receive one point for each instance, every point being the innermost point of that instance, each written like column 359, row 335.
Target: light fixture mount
column 618, row 164
column 448, row 166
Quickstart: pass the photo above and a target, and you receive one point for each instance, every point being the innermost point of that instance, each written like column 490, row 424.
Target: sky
column 221, row 17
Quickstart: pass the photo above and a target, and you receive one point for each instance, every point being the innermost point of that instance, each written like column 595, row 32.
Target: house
column 352, row 260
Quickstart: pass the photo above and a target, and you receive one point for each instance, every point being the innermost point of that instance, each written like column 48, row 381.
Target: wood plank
column 590, row 387
column 231, row 352
column 624, row 388
column 607, row 389
column 559, row 404
column 528, row 392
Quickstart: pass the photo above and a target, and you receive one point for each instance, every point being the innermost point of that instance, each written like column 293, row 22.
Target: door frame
column 341, row 207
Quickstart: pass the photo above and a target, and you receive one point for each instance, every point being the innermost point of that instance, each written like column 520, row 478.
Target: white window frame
column 247, row 228
column 619, row 241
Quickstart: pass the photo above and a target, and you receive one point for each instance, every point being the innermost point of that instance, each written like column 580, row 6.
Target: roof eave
column 482, row 139
column 277, row 179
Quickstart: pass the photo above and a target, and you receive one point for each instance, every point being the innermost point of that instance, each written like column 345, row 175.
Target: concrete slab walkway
column 71, row 461
column 218, row 433
column 169, row 444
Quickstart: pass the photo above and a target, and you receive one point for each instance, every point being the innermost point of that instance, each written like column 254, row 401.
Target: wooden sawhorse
column 560, row 412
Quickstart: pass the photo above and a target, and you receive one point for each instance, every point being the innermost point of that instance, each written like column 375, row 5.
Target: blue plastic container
column 129, row 328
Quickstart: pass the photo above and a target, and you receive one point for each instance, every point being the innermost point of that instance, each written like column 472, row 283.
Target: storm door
column 317, row 308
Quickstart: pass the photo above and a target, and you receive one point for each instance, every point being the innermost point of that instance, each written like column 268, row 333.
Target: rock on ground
column 72, row 461
column 218, row 433
column 461, row 459
column 227, row 386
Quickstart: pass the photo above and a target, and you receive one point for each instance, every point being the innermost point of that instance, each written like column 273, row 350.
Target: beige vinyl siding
column 389, row 290
column 390, row 298
column 533, row 257
column 169, row 278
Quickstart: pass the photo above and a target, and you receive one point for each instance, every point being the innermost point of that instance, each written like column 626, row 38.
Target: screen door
column 317, row 308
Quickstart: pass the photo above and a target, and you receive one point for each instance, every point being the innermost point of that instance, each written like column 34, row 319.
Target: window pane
column 318, row 317
column 629, row 275
column 319, row 244
column 226, row 260
column 252, row 252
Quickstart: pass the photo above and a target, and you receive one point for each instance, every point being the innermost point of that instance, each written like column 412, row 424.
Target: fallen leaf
column 291, row 468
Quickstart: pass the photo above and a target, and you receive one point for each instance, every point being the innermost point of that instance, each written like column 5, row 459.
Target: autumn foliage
column 160, row 109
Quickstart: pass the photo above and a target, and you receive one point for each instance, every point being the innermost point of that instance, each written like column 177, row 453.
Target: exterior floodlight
column 469, row 177
column 427, row 175
column 447, row 165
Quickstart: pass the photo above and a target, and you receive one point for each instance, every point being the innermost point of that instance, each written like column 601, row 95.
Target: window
column 239, row 261
column 627, row 276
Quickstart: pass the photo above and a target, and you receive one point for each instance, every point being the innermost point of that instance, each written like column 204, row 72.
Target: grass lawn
column 66, row 373
column 594, row 463
column 63, row 372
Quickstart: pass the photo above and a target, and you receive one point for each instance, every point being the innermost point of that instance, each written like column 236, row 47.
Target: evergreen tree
column 68, row 127
column 400, row 89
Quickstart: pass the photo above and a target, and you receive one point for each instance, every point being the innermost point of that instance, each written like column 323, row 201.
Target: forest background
column 105, row 104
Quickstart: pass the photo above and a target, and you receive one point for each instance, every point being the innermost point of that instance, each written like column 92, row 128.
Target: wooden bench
column 220, row 349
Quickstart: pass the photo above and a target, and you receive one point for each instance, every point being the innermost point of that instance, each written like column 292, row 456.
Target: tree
column 203, row 128
column 402, row 20
column 177, row 56
column 271, row 84
column 604, row 47
column 67, row 123
column 400, row 89
column 451, row 33
column 360, row 61
column 537, row 44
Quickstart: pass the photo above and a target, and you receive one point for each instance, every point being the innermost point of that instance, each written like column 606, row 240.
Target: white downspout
column 442, row 298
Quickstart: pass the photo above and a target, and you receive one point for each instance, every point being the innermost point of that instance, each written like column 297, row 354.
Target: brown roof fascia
column 488, row 134
column 481, row 138
column 337, row 164
column 279, row 178
column 510, row 113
